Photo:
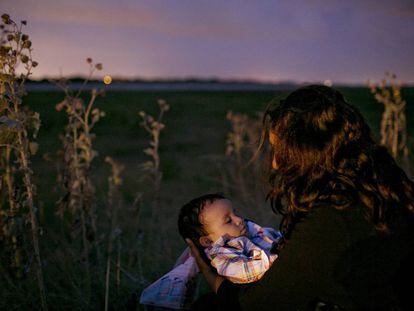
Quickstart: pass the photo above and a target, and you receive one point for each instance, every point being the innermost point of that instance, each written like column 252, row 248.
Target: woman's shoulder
column 349, row 229
column 333, row 255
column 326, row 224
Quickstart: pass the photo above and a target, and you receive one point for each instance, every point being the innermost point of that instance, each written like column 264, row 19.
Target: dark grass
column 196, row 126
column 193, row 140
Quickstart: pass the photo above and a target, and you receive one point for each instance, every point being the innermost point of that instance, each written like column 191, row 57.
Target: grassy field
column 196, row 129
column 192, row 161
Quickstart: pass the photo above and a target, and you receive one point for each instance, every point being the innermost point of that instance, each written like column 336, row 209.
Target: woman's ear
column 205, row 241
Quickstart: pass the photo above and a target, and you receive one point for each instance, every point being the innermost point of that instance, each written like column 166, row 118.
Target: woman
column 348, row 214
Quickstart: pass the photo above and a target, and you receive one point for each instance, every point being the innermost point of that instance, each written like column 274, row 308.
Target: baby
column 239, row 249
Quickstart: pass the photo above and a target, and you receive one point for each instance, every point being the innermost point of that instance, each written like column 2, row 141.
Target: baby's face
column 219, row 218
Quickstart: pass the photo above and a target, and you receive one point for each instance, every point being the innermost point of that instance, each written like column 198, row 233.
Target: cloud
column 219, row 20
column 399, row 8
column 169, row 20
column 304, row 39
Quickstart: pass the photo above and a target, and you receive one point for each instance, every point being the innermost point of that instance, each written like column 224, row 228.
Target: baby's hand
column 202, row 265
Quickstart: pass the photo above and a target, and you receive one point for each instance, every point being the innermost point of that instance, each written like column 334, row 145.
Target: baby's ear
column 205, row 241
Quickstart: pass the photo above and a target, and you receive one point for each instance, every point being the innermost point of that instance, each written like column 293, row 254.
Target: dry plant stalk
column 241, row 146
column 393, row 123
column 78, row 154
column 17, row 124
column 114, row 205
column 152, row 168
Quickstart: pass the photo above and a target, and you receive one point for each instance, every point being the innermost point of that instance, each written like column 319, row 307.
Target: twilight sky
column 306, row 41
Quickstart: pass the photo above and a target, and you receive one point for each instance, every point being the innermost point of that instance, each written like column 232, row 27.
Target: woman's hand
column 201, row 263
column 212, row 278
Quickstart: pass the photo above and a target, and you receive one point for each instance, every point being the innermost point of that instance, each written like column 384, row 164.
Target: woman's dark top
column 335, row 257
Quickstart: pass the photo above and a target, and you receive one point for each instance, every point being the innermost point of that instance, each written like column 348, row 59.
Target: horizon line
column 120, row 79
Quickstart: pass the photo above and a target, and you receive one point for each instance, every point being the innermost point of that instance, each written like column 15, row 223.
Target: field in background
column 192, row 151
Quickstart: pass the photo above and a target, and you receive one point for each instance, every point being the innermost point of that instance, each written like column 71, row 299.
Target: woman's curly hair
column 325, row 154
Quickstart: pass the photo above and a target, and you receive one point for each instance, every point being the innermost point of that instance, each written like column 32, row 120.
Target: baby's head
column 205, row 219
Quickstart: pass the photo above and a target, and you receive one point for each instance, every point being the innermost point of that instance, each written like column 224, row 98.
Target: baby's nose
column 239, row 220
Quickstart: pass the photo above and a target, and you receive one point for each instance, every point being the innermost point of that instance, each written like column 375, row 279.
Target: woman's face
column 272, row 141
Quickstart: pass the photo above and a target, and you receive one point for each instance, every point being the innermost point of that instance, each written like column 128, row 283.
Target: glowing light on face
column 107, row 79
column 272, row 140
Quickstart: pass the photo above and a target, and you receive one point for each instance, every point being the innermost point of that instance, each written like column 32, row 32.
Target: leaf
column 33, row 147
column 10, row 123
column 147, row 165
column 2, row 89
column 3, row 103
column 95, row 118
column 35, row 123
column 60, row 105
column 117, row 181
column 5, row 78
column 149, row 151
column 76, row 184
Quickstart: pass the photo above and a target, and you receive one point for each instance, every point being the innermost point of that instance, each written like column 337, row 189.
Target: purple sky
column 306, row 41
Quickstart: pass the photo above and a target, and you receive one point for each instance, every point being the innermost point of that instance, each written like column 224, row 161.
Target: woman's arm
column 212, row 278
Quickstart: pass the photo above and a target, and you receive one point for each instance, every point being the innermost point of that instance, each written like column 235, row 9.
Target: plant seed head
column 24, row 58
column 27, row 44
column 6, row 18
column 163, row 105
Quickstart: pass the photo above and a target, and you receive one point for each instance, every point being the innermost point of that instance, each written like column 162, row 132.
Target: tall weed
column 18, row 129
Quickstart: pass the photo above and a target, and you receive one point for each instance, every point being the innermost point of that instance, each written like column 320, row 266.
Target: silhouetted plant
column 18, row 125
column 114, row 206
column 77, row 155
column 241, row 146
column 393, row 124
column 152, row 168
column 151, row 173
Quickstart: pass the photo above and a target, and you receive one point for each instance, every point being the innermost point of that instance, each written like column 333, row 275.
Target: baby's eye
column 228, row 220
